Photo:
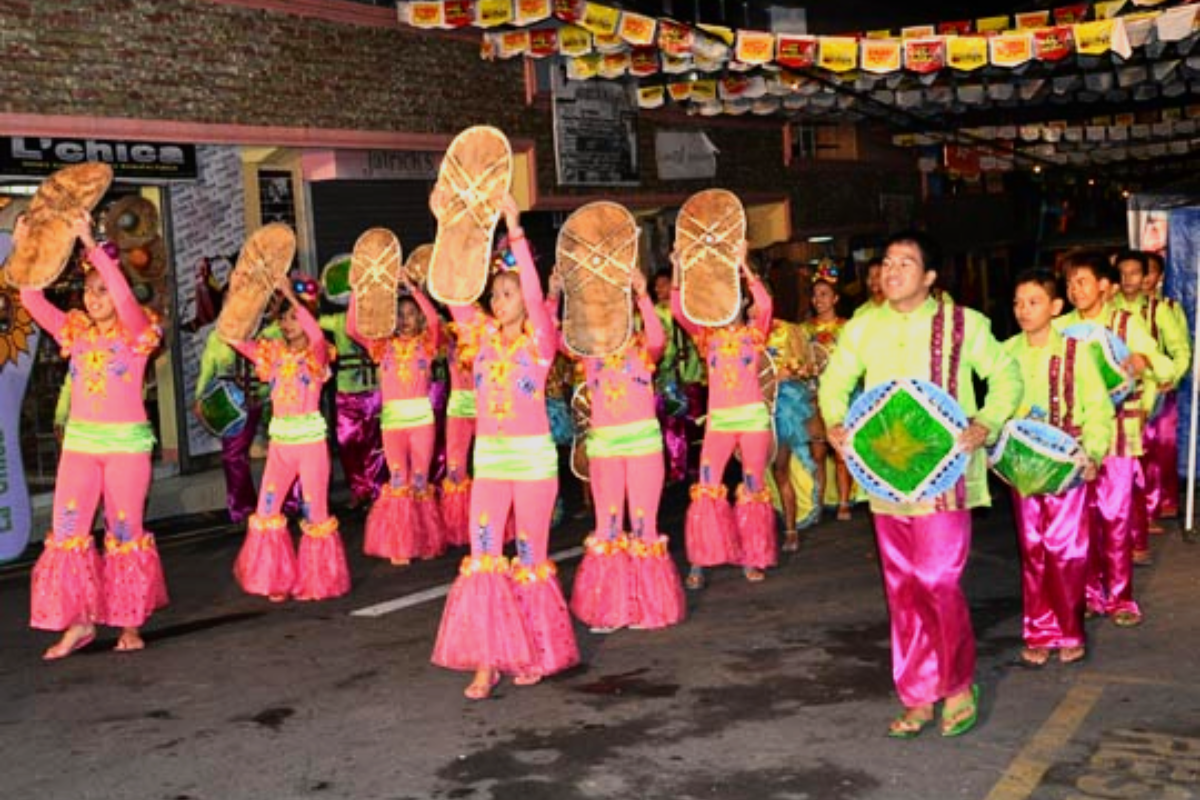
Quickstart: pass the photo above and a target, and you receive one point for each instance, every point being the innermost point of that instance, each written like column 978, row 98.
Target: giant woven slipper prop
column 40, row 257
column 416, row 266
column 710, row 235
column 903, row 441
column 265, row 258
column 1037, row 458
column 1110, row 354
column 475, row 176
column 597, row 253
column 375, row 268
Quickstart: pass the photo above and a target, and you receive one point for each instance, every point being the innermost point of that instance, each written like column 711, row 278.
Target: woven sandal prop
column 597, row 253
column 710, row 235
column 375, row 268
column 474, row 177
column 42, row 255
column 416, row 266
column 265, row 258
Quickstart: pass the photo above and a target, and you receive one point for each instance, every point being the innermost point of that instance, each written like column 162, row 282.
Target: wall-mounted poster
column 595, row 132
column 276, row 201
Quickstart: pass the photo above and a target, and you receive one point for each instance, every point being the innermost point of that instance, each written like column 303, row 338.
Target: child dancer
column 794, row 405
column 460, row 430
column 295, row 366
column 1116, row 493
column 627, row 579
column 405, row 522
column 218, row 361
column 501, row 617
column 822, row 330
column 106, row 452
column 1063, row 388
column 737, row 418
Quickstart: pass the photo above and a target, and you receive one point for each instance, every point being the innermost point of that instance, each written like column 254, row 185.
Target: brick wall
column 200, row 61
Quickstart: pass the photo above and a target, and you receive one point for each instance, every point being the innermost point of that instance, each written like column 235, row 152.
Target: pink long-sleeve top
column 295, row 377
column 622, row 384
column 731, row 352
column 405, row 362
column 510, row 377
column 107, row 369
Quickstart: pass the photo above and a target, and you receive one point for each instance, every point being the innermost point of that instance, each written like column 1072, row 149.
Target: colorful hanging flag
column 680, row 91
column 608, row 43
column 733, row 87
column 1069, row 15
column 583, row 68
column 754, row 47
column 992, row 24
column 569, row 10
column 427, row 14
column 837, row 53
column 492, row 13
column 967, row 53
column 795, row 51
column 1052, row 44
column 917, row 32
column 676, row 65
column 651, row 96
column 960, row 28
column 1011, row 49
column 674, row 38
column 512, row 43
column 599, row 19
column 614, row 65
column 1107, row 9
column 880, row 56
column 880, row 34
column 703, row 90
column 1094, row 38
column 719, row 32
column 637, row 29
column 458, row 13
column 574, row 41
column 1032, row 19
column 924, row 56
column 643, row 61
column 543, row 42
column 530, row 12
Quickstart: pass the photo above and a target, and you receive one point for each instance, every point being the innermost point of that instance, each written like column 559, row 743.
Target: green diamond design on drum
column 1035, row 458
column 900, row 454
column 1026, row 468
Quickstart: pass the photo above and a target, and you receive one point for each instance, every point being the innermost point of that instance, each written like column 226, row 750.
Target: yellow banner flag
column 574, row 41
column 880, row 56
column 1011, row 49
column 426, row 14
column 1107, row 9
column 967, row 53
column 1094, row 38
column 917, row 32
column 531, row 11
column 512, row 43
column 638, row 29
column 719, row 31
column 490, row 13
column 704, row 90
column 583, row 68
column 837, row 53
column 651, row 96
column 992, row 24
column 680, row 90
column 602, row 20
column 754, row 47
column 881, row 34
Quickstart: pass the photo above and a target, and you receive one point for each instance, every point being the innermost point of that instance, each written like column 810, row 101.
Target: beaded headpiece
column 827, row 271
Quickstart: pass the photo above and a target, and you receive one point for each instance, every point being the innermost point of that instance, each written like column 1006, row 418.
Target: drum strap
column 1131, row 408
column 1062, row 373
column 1150, row 314
column 947, row 380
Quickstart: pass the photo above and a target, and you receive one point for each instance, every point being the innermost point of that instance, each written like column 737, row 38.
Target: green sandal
column 962, row 717
column 906, row 726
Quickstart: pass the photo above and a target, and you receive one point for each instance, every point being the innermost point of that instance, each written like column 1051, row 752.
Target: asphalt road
column 775, row 691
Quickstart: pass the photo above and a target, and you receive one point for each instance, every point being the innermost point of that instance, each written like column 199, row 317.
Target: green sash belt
column 461, row 404
column 108, row 437
column 297, row 428
column 412, row 412
column 516, row 458
column 750, row 417
column 640, row 438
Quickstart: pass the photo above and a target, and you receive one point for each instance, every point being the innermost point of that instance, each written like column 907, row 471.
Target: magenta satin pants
column 933, row 644
column 1052, row 531
column 1110, row 562
column 240, row 495
column 360, row 449
column 1159, row 462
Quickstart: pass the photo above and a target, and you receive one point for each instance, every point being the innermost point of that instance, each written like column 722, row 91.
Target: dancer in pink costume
column 737, row 418
column 1064, row 388
column 106, row 452
column 627, row 578
column 460, row 430
column 503, row 617
column 405, row 522
column 295, row 367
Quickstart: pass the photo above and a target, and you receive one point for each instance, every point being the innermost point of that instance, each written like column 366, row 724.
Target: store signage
column 141, row 161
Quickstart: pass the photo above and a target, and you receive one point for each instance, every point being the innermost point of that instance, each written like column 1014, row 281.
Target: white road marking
column 424, row 596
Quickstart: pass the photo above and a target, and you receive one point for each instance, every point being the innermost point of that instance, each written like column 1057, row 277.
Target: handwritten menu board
column 595, row 132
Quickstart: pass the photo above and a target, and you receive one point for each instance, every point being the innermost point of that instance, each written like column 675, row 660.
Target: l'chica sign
column 38, row 156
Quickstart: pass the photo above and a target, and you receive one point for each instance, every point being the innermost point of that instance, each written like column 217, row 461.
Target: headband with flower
column 827, row 271
column 503, row 259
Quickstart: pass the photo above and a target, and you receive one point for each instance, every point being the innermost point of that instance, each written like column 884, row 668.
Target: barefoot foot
column 74, row 638
column 481, row 687
column 130, row 641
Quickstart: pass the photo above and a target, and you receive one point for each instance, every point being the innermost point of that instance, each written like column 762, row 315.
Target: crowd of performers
column 674, row 381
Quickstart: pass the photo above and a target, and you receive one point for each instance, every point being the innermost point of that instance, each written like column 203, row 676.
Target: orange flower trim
column 274, row 522
column 78, row 325
column 114, row 546
column 655, row 548
column 744, row 495
column 455, row 487
column 320, row 530
column 81, row 543
column 544, row 571
column 717, row 492
column 607, row 547
column 484, row 564
column 402, row 490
